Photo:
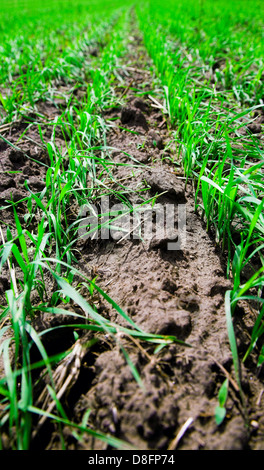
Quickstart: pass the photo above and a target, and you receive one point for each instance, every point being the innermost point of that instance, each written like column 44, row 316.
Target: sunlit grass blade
column 110, row 440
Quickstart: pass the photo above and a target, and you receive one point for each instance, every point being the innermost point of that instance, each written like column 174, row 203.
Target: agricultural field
column 132, row 225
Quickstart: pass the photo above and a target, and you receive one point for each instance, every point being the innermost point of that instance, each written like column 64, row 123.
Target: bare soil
column 178, row 293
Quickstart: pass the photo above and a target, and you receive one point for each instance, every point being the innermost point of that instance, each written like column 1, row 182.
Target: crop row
column 209, row 57
column 44, row 241
column 209, row 60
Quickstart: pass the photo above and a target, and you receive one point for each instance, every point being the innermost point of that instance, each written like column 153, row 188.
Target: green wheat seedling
column 71, row 178
column 34, row 70
column 224, row 165
column 208, row 61
column 215, row 91
column 17, row 386
column 220, row 411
